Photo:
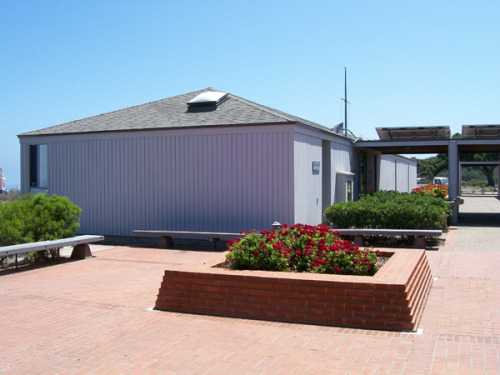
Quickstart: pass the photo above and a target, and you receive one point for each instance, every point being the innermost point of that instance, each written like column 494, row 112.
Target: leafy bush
column 37, row 218
column 300, row 248
column 390, row 210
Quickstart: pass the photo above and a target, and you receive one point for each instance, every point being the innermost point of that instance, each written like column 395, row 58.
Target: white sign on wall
column 316, row 166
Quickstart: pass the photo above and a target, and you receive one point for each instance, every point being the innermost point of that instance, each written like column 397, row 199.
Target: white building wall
column 342, row 166
column 307, row 185
column 211, row 179
column 412, row 176
column 229, row 179
column 401, row 176
column 397, row 173
column 387, row 179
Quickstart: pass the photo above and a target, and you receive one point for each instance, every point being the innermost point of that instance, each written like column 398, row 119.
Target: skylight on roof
column 208, row 97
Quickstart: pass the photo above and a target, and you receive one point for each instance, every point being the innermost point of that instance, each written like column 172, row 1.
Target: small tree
column 37, row 218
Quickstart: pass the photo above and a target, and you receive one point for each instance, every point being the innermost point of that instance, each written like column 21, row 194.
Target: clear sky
column 409, row 63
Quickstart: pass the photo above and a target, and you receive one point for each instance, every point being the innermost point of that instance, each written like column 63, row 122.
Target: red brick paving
column 91, row 317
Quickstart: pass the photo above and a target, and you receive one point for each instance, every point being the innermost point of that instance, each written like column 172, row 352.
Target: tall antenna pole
column 345, row 100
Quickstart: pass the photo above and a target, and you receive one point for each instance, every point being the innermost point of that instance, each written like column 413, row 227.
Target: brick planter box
column 393, row 299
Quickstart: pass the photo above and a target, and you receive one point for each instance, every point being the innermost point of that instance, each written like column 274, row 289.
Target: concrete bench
column 166, row 236
column 81, row 249
column 419, row 234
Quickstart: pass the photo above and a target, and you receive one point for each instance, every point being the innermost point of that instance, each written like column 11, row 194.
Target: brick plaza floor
column 92, row 317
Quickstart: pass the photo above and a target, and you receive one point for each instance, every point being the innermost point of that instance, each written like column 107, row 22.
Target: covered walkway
column 423, row 140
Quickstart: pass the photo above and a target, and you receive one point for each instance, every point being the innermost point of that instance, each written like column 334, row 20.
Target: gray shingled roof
column 172, row 113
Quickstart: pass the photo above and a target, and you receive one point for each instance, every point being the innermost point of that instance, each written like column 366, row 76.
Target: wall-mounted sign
column 316, row 167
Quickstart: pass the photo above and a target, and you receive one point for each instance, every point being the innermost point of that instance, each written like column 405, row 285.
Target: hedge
column 390, row 210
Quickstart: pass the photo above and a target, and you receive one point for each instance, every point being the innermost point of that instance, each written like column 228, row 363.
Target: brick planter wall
column 393, row 299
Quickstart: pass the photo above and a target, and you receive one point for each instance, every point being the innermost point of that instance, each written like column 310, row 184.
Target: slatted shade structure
column 480, row 131
column 423, row 132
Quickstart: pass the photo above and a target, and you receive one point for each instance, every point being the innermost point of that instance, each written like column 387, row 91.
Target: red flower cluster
column 440, row 190
column 302, row 248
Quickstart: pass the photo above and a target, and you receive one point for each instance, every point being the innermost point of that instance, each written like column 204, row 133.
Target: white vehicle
column 421, row 181
column 440, row 180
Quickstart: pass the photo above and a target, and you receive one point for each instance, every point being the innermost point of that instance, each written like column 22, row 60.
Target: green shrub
column 300, row 248
column 390, row 210
column 37, row 218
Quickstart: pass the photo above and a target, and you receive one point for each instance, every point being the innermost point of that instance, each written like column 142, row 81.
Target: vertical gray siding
column 387, row 179
column 309, row 200
column 401, row 176
column 397, row 173
column 342, row 162
column 308, row 186
column 213, row 181
column 219, row 179
column 24, row 168
column 412, row 176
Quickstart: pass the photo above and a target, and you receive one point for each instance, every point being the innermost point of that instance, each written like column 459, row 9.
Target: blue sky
column 409, row 63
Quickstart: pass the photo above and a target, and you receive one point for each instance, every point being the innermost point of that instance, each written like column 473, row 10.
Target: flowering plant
column 440, row 190
column 301, row 248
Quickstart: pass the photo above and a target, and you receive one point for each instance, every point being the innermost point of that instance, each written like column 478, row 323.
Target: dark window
column 33, row 165
column 38, row 166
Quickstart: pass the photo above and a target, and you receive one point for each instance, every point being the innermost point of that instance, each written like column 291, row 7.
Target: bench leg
column 81, row 251
column 358, row 240
column 165, row 242
column 420, row 242
column 214, row 240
